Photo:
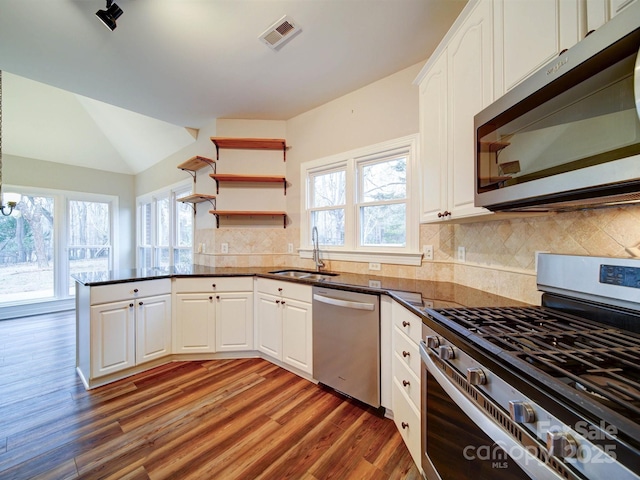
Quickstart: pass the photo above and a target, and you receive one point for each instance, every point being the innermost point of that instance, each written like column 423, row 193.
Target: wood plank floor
column 222, row 419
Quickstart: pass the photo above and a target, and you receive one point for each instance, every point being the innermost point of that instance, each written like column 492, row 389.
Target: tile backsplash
column 500, row 254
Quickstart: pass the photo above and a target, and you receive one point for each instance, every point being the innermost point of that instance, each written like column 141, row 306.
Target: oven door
column 460, row 442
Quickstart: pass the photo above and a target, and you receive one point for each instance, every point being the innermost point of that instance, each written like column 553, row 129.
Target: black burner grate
column 601, row 362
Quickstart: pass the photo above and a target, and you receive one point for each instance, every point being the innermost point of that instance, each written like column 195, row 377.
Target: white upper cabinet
column 600, row 12
column 470, row 72
column 433, row 137
column 530, row 33
column 455, row 85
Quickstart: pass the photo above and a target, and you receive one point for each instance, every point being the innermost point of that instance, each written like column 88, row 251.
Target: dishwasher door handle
column 343, row 303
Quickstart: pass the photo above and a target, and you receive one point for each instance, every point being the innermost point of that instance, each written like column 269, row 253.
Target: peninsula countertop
column 434, row 294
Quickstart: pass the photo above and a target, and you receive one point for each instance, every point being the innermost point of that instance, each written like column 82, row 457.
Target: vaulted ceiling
column 75, row 92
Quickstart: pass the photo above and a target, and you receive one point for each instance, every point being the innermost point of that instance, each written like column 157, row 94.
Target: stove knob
column 561, row 445
column 475, row 376
column 446, row 352
column 522, row 412
column 433, row 341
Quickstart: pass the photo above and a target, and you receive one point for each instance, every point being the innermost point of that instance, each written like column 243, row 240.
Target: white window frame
column 171, row 192
column 352, row 250
column 61, row 299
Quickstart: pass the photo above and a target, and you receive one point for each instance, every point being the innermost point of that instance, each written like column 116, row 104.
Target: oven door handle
column 525, row 460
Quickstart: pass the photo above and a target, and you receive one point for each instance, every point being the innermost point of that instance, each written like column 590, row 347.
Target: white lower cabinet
column 213, row 314
column 284, row 322
column 125, row 332
column 405, row 388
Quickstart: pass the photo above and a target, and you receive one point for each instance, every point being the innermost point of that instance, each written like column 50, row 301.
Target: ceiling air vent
column 280, row 32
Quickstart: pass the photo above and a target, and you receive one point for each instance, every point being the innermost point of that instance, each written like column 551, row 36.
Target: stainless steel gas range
column 548, row 392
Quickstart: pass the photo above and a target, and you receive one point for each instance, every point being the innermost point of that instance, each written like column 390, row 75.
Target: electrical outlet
column 289, row 247
column 375, row 284
column 224, row 248
column 428, row 252
column 462, row 254
column 374, row 266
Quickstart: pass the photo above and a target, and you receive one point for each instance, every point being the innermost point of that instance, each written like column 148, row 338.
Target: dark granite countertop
column 433, row 293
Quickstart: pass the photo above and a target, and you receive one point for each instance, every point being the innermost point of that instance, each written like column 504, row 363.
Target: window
column 165, row 228
column 50, row 235
column 360, row 201
column 89, row 238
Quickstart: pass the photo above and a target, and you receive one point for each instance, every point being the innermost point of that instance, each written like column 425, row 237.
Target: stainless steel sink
column 304, row 274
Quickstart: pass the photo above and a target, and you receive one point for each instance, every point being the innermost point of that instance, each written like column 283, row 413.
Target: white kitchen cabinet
column 234, row 321
column 470, row 81
column 529, row 34
column 112, row 338
column 456, row 85
column 433, row 138
column 213, row 314
column 130, row 324
column 284, row 322
column 405, row 389
column 600, row 12
column 194, row 323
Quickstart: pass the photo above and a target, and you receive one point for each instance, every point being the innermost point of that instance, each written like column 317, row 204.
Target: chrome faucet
column 316, row 251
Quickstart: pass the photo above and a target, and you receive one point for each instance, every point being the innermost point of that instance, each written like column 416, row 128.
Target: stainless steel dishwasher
column 346, row 342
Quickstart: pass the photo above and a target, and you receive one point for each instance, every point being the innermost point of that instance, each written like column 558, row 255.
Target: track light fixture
column 110, row 15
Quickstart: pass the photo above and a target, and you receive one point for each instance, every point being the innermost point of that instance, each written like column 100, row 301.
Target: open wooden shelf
column 196, row 163
column 228, row 177
column 247, row 213
column 197, row 198
column 250, row 144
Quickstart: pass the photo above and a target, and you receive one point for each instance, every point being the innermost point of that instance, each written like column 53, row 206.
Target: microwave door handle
column 343, row 303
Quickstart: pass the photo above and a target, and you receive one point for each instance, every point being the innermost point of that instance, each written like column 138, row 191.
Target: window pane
column 184, row 222
column 384, row 225
column 145, row 224
column 182, row 256
column 330, row 225
column 163, row 221
column 328, row 189
column 144, row 257
column 384, row 180
column 26, row 257
column 89, row 247
column 162, row 257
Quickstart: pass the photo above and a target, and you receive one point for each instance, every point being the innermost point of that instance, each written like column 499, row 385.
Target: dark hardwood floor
column 222, row 419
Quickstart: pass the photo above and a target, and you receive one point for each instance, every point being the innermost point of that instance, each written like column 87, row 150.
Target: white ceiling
column 186, row 62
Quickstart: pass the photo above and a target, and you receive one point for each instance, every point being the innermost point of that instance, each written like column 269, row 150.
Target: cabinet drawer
column 213, row 284
column 407, row 351
column 407, row 420
column 407, row 322
column 292, row 290
column 129, row 290
column 406, row 380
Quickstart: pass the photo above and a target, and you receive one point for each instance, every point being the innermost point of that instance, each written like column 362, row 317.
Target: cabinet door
column 234, row 322
column 433, row 131
column 194, row 323
column 297, row 335
column 470, row 82
column 269, row 324
column 153, row 328
column 533, row 33
column 112, row 338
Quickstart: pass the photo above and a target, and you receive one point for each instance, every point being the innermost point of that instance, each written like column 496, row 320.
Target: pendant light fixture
column 110, row 15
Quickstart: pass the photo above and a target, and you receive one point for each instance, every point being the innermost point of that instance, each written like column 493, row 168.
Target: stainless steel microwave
column 568, row 136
